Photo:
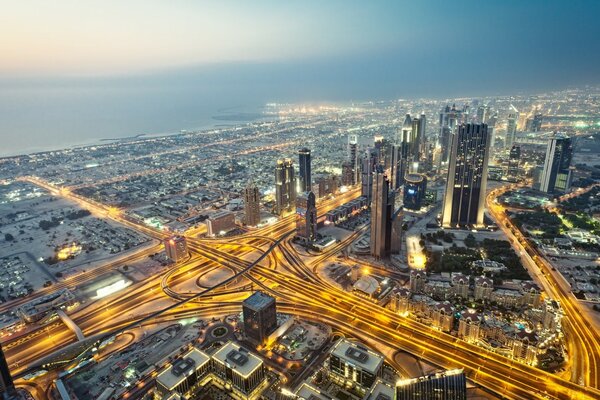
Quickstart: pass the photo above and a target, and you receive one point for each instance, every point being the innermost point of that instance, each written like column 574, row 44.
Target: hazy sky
column 73, row 71
column 557, row 39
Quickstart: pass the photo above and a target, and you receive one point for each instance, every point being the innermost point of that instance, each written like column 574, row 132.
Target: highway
column 299, row 290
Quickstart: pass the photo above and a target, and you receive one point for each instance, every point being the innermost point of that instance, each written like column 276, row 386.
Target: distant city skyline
column 76, row 72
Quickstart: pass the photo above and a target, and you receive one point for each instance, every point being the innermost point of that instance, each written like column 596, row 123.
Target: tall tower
column 382, row 208
column 285, row 186
column 304, row 172
column 306, row 217
column 407, row 143
column 449, row 119
column 514, row 160
column 251, row 204
column 353, row 158
column 511, row 130
column 369, row 164
column 467, row 177
column 556, row 175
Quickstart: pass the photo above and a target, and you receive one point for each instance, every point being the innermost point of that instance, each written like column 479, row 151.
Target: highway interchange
column 299, row 290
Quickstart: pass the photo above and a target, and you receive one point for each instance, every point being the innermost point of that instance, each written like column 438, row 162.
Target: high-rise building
column 347, row 174
column 304, row 172
column 242, row 371
column 482, row 114
column 534, row 123
column 556, row 175
column 514, row 160
column 491, row 123
column 252, row 204
column 176, row 248
column 511, row 130
column 7, row 386
column 306, row 217
column 353, row 159
column 467, row 177
column 382, row 208
column 355, row 364
column 449, row 120
column 220, row 222
column 369, row 164
column 285, row 186
column 415, row 186
column 448, row 385
column 407, row 147
column 259, row 312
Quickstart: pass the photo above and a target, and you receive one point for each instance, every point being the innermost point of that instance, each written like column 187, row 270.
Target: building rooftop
column 308, row 392
column 381, row 391
column 358, row 355
column 182, row 368
column 238, row 359
column 258, row 301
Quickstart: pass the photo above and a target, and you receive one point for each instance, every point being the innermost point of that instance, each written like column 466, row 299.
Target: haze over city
column 267, row 200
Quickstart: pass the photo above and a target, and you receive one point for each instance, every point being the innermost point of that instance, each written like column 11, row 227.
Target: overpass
column 71, row 325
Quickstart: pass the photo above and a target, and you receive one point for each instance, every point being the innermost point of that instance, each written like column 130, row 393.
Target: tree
column 8, row 237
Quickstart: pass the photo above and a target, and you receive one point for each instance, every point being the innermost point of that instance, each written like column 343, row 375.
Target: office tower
column 514, row 159
column 422, row 138
column 347, row 174
column 285, row 186
column 415, row 186
column 511, row 130
column 467, row 177
column 176, row 248
column 7, row 386
column 354, row 364
column 556, row 175
column 449, row 119
column 382, row 208
column 183, row 374
column 251, row 204
column 395, row 166
column 396, row 240
column 491, row 124
column 242, row 371
column 369, row 163
column 304, row 172
column 306, row 217
column 220, row 222
column 534, row 124
column 353, row 158
column 448, row 385
column 482, row 114
column 260, row 316
column 406, row 142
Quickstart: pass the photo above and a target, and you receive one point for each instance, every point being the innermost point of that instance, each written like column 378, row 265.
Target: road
column 299, row 290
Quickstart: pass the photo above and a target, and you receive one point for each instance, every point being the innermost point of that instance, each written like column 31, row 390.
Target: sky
column 72, row 70
column 414, row 40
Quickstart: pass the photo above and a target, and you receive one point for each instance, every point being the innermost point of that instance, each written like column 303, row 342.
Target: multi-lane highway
column 291, row 277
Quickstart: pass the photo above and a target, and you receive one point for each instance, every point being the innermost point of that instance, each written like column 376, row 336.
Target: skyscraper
column 176, row 248
column 407, row 147
column 448, row 385
column 415, row 186
column 306, row 217
column 251, row 204
column 514, row 159
column 534, row 123
column 304, row 172
column 467, row 177
column 369, row 163
column 260, row 316
column 285, row 186
column 556, row 175
column 482, row 114
column 449, row 120
column 382, row 208
column 511, row 130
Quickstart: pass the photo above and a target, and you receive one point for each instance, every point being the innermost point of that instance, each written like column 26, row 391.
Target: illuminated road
column 300, row 291
column 580, row 334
